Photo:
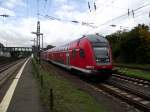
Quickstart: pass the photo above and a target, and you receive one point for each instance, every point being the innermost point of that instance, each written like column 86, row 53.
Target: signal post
column 38, row 48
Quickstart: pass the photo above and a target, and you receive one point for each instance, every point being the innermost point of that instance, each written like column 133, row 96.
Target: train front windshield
column 100, row 48
column 101, row 52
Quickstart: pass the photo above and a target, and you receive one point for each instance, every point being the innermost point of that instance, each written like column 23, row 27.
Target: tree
column 50, row 46
column 132, row 46
column 1, row 45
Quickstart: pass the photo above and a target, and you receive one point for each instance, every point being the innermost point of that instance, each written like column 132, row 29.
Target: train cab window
column 82, row 53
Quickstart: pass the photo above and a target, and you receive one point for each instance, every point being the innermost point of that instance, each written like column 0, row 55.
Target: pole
column 34, row 42
column 34, row 48
column 38, row 33
column 38, row 38
column 42, row 41
column 38, row 41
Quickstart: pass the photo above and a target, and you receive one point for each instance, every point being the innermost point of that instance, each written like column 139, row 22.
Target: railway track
column 7, row 71
column 5, row 63
column 138, row 81
column 133, row 97
column 137, row 99
column 2, row 65
column 6, row 66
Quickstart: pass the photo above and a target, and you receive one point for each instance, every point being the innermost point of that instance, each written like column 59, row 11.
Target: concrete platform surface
column 26, row 96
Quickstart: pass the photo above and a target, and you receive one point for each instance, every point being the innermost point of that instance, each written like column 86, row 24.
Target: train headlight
column 90, row 67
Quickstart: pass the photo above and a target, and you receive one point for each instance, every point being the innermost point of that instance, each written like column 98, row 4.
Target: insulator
column 94, row 6
column 133, row 13
column 128, row 12
column 89, row 6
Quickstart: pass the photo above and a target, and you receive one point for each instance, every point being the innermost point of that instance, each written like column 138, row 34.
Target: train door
column 82, row 58
column 67, row 58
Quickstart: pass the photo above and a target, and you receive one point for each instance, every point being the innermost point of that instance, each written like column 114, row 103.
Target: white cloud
column 57, row 33
column 13, row 3
column 18, row 33
column 6, row 11
column 61, row 1
column 67, row 8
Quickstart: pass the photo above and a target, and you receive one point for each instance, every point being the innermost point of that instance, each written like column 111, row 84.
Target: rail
column 139, row 101
column 7, row 71
column 137, row 80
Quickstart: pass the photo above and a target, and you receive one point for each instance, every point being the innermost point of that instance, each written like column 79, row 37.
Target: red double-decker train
column 90, row 54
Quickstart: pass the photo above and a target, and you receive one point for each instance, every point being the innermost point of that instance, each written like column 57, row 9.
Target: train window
column 82, row 53
column 74, row 53
column 99, row 44
column 101, row 52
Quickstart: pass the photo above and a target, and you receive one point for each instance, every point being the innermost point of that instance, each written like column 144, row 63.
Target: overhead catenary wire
column 87, row 24
column 137, row 16
column 123, row 15
column 132, row 11
column 71, row 21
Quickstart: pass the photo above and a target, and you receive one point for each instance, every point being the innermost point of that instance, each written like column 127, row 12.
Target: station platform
column 26, row 96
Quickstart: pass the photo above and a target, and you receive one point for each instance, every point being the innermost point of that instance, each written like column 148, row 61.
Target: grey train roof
column 96, row 38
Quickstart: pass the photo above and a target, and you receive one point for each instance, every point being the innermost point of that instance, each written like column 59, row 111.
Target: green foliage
column 132, row 46
column 50, row 46
column 1, row 45
column 134, row 73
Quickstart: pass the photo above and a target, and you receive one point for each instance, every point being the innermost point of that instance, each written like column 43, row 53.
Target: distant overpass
column 17, row 51
column 14, row 49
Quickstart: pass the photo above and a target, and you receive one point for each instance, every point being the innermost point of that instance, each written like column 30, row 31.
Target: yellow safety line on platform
column 8, row 96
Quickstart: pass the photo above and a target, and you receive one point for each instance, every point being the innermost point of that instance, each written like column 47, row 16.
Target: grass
column 67, row 98
column 142, row 66
column 134, row 73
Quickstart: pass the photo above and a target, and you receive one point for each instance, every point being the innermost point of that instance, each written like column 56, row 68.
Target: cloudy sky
column 55, row 17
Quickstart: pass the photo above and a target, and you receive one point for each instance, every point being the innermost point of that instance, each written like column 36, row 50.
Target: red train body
column 90, row 54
